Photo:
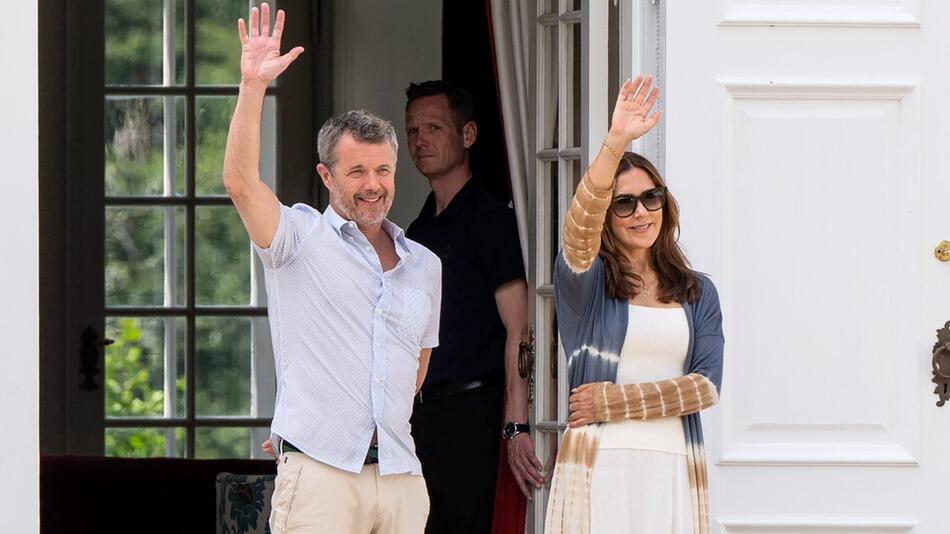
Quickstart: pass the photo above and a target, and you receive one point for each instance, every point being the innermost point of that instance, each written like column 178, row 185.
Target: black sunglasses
column 652, row 199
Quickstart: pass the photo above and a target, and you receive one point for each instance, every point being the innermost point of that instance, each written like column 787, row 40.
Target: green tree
column 134, row 388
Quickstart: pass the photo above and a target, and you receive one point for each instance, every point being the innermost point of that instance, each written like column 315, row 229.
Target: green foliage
column 134, row 386
column 212, row 121
column 223, row 275
column 134, row 41
column 143, row 442
column 223, row 443
column 217, row 49
column 132, row 390
column 135, row 260
column 134, row 145
column 223, row 366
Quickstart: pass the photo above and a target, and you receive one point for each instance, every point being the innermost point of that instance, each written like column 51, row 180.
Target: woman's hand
column 582, row 406
column 631, row 117
column 261, row 61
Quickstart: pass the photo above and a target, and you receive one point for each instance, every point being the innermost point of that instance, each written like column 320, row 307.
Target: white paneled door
column 807, row 143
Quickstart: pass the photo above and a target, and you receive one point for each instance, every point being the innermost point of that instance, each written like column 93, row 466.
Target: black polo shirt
column 476, row 237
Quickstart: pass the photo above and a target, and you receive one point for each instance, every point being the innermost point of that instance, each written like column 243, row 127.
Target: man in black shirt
column 458, row 413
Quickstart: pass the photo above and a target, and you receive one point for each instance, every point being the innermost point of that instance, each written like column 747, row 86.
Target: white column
column 19, row 279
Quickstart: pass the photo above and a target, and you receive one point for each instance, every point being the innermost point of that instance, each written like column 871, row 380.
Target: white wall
column 19, row 282
column 380, row 46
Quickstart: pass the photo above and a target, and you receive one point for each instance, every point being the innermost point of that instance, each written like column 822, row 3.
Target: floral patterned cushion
column 244, row 503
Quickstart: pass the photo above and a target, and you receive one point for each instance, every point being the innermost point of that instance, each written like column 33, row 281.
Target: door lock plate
column 941, row 364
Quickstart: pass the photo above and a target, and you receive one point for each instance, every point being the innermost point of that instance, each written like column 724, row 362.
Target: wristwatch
column 512, row 429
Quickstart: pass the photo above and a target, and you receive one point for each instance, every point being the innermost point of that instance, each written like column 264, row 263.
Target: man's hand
column 424, row 356
column 512, row 301
column 261, row 61
column 524, row 464
column 268, row 447
column 631, row 117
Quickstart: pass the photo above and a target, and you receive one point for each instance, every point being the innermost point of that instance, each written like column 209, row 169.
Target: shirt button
column 379, row 380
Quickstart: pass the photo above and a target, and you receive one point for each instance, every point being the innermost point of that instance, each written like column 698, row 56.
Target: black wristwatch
column 513, row 429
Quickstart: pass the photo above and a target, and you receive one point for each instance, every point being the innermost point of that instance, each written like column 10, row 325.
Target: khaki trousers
column 314, row 498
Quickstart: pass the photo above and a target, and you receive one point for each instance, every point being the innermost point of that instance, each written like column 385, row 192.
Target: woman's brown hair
column 676, row 281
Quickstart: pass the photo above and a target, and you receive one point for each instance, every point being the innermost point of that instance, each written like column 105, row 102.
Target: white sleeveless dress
column 639, row 482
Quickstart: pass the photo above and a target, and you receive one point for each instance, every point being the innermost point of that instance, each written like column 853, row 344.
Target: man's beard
column 368, row 215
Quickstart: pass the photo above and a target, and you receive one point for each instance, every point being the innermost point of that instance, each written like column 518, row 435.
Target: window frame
column 74, row 419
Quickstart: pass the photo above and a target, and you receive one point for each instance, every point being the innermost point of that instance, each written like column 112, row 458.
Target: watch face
column 509, row 431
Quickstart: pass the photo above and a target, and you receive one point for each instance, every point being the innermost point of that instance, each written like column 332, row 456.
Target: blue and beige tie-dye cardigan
column 592, row 328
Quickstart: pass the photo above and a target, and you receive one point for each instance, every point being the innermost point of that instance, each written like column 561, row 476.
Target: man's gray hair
column 365, row 127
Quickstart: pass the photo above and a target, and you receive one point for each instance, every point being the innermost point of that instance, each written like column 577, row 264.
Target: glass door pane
column 140, row 133
column 185, row 374
column 137, row 34
column 564, row 72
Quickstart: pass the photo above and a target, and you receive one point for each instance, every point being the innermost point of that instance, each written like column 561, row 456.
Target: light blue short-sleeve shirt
column 347, row 337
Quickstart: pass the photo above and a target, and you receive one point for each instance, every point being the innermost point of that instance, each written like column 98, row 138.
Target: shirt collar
column 344, row 226
column 337, row 222
column 456, row 205
column 398, row 236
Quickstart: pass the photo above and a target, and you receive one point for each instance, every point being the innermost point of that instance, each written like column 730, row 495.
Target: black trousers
column 457, row 443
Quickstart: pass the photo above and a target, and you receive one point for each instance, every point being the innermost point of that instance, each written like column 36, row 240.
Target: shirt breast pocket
column 411, row 309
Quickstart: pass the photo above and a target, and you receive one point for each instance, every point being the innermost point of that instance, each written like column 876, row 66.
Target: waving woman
column 643, row 337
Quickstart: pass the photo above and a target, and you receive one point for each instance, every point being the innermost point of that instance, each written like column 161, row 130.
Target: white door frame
column 580, row 107
column 19, row 278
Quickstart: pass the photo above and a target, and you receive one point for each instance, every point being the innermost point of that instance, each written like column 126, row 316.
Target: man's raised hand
column 261, row 61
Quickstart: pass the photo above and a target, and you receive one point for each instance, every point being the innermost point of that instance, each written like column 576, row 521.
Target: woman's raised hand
column 631, row 118
column 261, row 61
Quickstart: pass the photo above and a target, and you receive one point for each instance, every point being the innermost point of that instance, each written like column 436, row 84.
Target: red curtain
column 510, row 503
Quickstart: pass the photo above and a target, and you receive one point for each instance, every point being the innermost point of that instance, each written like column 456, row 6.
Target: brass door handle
column 526, row 363
column 942, row 252
column 526, row 354
column 941, row 364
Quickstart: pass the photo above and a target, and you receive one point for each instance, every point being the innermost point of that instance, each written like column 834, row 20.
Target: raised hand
column 631, row 118
column 261, row 61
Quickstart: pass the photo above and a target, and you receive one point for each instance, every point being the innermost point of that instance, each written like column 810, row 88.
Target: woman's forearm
column 678, row 396
column 585, row 218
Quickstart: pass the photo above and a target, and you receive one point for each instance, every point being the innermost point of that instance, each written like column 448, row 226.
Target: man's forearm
column 516, row 405
column 242, row 154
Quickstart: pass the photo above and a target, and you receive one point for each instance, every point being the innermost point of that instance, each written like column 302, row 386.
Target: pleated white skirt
column 635, row 491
